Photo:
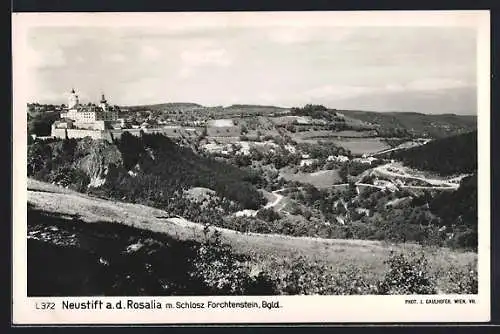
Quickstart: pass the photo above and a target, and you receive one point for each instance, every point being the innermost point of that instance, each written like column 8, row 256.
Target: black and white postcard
column 251, row 167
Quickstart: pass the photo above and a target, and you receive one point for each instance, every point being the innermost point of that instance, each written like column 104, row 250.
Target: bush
column 464, row 239
column 70, row 177
column 224, row 273
column 302, row 277
column 463, row 281
column 407, row 276
column 268, row 215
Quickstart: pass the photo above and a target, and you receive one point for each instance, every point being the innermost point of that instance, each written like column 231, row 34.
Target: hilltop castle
column 101, row 122
column 87, row 116
column 78, row 120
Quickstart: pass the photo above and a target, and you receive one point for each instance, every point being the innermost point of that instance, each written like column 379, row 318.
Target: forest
column 446, row 156
column 150, row 170
column 316, row 112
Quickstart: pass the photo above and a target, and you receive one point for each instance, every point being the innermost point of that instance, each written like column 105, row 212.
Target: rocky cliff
column 99, row 158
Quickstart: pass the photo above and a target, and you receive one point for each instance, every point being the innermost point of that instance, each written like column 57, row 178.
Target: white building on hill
column 78, row 120
column 89, row 117
column 337, row 158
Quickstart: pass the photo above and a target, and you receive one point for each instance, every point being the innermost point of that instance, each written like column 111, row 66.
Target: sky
column 429, row 69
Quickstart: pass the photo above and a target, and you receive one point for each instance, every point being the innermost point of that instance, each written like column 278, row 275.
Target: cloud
column 289, row 36
column 349, row 91
column 436, row 84
column 114, row 57
column 289, row 65
column 337, row 91
column 217, row 57
column 296, row 35
column 266, row 97
column 204, row 56
column 427, row 84
column 48, row 97
column 47, row 59
column 150, row 53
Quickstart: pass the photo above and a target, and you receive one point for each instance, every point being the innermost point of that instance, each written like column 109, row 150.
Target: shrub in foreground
column 302, row 277
column 463, row 281
column 225, row 273
column 407, row 275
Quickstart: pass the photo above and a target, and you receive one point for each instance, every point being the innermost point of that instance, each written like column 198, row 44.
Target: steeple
column 103, row 103
column 73, row 100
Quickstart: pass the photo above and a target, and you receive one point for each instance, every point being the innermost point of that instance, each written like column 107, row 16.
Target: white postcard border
column 303, row 309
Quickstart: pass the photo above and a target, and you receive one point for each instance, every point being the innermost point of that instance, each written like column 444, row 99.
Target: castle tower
column 73, row 101
column 103, row 103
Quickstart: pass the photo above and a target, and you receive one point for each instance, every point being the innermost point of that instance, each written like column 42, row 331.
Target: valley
column 287, row 189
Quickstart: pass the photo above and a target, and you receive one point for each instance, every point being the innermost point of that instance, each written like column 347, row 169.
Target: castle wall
column 77, row 133
column 97, row 125
column 111, row 135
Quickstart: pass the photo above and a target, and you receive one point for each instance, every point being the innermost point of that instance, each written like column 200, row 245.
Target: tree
column 39, row 157
column 243, row 129
column 268, row 215
column 290, row 127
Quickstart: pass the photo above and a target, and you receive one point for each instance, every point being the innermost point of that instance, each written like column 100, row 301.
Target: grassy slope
column 268, row 249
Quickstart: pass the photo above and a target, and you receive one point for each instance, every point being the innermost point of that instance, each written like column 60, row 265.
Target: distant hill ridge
column 253, row 106
column 167, row 105
column 351, row 111
column 431, row 125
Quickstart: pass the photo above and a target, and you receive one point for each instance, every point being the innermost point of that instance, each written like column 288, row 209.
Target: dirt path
column 435, row 182
column 278, row 199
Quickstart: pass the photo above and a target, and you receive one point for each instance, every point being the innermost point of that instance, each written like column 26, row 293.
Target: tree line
column 451, row 155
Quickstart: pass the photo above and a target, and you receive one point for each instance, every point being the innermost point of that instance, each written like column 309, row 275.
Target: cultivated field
column 321, row 179
column 322, row 134
column 362, row 146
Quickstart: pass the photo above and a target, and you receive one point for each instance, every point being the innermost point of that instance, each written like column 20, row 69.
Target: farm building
column 222, row 128
column 338, row 158
column 307, row 162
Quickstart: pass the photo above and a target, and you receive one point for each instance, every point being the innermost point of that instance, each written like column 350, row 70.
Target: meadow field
column 362, row 145
column 321, row 179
